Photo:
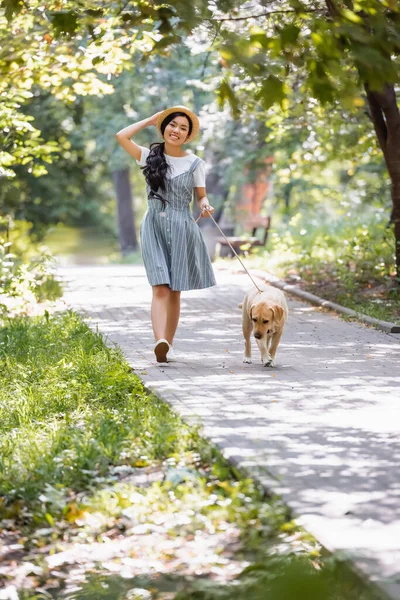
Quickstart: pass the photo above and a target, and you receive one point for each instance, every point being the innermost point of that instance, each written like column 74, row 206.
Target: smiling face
column 177, row 130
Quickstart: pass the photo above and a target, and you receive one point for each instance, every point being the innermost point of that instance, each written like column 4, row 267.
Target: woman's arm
column 124, row 136
column 202, row 202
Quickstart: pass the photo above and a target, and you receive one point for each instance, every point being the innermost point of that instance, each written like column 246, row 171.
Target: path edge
column 264, row 477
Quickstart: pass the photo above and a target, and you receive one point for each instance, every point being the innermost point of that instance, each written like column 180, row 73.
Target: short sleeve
column 143, row 157
column 199, row 175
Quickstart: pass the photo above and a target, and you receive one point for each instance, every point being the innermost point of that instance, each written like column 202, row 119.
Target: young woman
column 174, row 253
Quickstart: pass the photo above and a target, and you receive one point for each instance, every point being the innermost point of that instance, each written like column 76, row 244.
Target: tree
column 344, row 54
column 341, row 52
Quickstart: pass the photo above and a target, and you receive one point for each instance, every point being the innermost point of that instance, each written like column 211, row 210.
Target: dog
column 265, row 313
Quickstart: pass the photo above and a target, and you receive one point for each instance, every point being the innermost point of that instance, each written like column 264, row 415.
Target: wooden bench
column 242, row 244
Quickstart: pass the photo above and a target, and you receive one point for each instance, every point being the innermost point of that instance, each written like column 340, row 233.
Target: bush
column 356, row 250
column 24, row 266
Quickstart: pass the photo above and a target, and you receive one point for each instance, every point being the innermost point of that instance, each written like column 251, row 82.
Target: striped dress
column 173, row 249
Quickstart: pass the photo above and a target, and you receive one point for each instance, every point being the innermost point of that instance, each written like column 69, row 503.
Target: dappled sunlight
column 321, row 428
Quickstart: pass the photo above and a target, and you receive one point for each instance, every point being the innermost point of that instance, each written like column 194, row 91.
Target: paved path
column 322, row 428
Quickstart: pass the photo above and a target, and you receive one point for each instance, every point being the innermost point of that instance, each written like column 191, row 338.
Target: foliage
column 77, row 188
column 347, row 258
column 270, row 54
column 68, row 192
column 24, row 266
column 72, row 53
column 294, row 72
column 360, row 248
column 329, row 49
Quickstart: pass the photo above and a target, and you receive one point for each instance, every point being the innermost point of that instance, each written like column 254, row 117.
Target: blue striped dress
column 173, row 249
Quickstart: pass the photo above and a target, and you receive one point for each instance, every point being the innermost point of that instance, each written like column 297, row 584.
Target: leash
column 231, row 247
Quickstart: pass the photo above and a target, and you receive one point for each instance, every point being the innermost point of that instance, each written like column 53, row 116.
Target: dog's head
column 266, row 318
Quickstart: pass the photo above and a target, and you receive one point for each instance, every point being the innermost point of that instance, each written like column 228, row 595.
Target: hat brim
column 186, row 111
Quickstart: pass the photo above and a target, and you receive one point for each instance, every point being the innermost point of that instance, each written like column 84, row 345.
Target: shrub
column 24, row 266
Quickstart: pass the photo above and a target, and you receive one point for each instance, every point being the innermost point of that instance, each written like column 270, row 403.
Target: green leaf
column 272, row 90
column 64, row 22
column 49, row 519
column 289, row 35
column 225, row 92
column 351, row 16
column 11, row 7
column 319, row 82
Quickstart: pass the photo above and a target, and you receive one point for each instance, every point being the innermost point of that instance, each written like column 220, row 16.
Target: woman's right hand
column 153, row 119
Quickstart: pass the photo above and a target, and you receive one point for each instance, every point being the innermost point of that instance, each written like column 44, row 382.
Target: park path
column 322, row 428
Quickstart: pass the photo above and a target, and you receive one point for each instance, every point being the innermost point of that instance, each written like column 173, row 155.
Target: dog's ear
column 277, row 312
column 251, row 311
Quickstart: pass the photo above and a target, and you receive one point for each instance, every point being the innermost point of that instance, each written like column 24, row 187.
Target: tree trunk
column 385, row 116
column 125, row 214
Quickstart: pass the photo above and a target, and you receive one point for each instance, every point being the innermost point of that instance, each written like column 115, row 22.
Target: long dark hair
column 156, row 167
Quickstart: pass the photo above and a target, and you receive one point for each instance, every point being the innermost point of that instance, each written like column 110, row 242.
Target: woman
column 174, row 253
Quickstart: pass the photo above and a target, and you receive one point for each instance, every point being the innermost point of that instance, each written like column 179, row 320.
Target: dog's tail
column 240, row 305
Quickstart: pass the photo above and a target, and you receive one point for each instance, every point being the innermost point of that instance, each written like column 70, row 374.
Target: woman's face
column 177, row 131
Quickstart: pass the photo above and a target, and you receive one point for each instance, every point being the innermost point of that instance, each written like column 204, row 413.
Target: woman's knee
column 161, row 291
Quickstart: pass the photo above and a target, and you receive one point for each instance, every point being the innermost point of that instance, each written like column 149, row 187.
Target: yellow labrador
column 265, row 314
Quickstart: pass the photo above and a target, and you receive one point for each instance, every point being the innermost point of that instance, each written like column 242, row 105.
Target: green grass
column 81, row 245
column 73, row 420
column 69, row 404
column 86, row 245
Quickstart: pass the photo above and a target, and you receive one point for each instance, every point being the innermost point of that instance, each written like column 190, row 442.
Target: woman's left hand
column 206, row 211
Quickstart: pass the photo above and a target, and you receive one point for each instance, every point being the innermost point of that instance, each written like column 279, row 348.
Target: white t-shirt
column 180, row 164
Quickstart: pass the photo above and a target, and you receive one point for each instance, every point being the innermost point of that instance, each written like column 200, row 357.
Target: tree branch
column 332, row 8
column 271, row 12
column 218, row 29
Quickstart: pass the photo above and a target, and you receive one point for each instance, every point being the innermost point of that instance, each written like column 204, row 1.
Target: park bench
column 258, row 226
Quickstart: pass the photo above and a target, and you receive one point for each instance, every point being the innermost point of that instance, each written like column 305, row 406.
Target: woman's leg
column 173, row 313
column 165, row 312
column 159, row 310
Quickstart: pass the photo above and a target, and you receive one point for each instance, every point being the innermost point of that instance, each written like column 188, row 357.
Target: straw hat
column 186, row 111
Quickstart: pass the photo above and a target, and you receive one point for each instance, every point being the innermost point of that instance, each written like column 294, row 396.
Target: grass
column 68, row 405
column 90, row 460
column 81, row 245
column 86, row 245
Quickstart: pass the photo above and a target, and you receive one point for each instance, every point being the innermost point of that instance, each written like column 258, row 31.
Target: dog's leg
column 247, row 327
column 274, row 346
column 265, row 355
column 269, row 341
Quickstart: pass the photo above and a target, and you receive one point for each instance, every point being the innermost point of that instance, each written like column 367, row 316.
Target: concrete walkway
column 322, row 428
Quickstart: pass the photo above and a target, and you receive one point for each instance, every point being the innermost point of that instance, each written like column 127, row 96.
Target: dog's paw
column 247, row 359
column 269, row 363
